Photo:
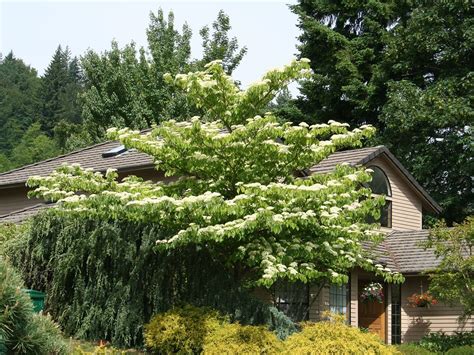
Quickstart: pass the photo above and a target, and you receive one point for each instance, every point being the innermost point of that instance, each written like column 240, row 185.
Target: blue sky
column 33, row 29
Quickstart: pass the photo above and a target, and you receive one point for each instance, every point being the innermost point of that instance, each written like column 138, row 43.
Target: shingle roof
column 402, row 251
column 353, row 157
column 90, row 157
column 21, row 215
column 359, row 157
column 410, row 256
column 380, row 254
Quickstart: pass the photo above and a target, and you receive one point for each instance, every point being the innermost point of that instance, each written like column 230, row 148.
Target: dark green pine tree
column 19, row 102
column 60, row 87
column 345, row 41
column 407, row 68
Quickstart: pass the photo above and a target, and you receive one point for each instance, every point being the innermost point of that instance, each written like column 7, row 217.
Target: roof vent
column 114, row 151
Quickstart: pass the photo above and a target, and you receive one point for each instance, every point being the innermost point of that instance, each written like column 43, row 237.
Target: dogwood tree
column 241, row 188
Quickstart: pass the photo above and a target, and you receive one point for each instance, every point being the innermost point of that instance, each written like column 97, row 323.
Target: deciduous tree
column 452, row 281
column 240, row 191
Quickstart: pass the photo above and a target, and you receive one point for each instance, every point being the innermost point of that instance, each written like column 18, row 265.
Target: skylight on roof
column 114, row 151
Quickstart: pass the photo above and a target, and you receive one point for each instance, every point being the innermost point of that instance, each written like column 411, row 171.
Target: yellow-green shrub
column 181, row 330
column 241, row 339
column 327, row 338
column 461, row 350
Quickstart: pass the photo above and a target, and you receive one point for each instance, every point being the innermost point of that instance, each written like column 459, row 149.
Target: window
column 114, row 151
column 338, row 299
column 396, row 314
column 292, row 298
column 381, row 186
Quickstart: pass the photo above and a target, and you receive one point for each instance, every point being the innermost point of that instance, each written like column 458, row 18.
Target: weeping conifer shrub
column 22, row 331
column 105, row 280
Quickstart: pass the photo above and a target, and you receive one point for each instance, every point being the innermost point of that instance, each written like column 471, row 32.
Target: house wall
column 417, row 322
column 14, row 199
column 406, row 203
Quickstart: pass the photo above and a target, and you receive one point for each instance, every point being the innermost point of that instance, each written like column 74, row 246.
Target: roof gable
column 363, row 156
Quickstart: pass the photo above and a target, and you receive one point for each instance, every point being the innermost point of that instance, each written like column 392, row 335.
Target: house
column 394, row 320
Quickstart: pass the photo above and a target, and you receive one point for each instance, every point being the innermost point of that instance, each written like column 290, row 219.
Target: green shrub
column 442, row 342
column 9, row 232
column 239, row 339
column 181, row 330
column 412, row 349
column 105, row 280
column 461, row 350
column 21, row 330
column 335, row 338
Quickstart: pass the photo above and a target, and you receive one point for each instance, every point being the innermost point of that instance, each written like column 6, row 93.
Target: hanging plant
column 424, row 299
column 373, row 292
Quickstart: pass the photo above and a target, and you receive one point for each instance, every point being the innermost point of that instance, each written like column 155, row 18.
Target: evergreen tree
column 60, row 87
column 407, row 68
column 19, row 101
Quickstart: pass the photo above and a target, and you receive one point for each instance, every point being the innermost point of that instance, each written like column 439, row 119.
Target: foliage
column 424, row 299
column 461, row 350
column 430, row 130
column 104, row 280
column 21, row 330
column 8, row 232
column 19, row 88
column 345, row 42
column 34, row 146
column 237, row 194
column 37, row 115
column 452, row 281
column 60, row 87
column 412, row 349
column 125, row 87
column 181, row 330
column 238, row 339
column 335, row 338
column 406, row 68
column 219, row 46
column 442, row 342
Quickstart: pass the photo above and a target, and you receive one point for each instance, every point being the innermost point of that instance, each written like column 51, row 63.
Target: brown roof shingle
column 90, row 157
column 405, row 247
column 23, row 214
column 353, row 157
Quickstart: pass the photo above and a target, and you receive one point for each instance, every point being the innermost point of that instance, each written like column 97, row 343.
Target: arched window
column 381, row 186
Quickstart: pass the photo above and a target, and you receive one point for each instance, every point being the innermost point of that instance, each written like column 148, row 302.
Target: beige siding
column 406, row 203
column 354, row 304
column 417, row 322
column 15, row 199
column 388, row 321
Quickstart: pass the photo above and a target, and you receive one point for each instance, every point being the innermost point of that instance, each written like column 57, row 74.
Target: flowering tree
column 241, row 188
